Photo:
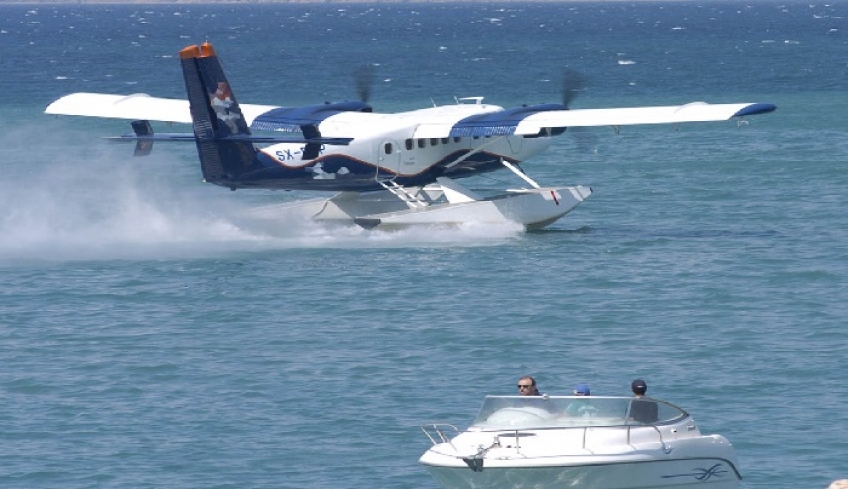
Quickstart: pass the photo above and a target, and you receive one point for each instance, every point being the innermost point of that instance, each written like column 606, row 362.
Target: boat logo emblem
column 702, row 474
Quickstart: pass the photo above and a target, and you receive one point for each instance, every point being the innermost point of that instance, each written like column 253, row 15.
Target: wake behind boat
column 547, row 442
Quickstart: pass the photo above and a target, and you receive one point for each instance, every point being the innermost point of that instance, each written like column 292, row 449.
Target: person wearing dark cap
column 642, row 409
column 639, row 387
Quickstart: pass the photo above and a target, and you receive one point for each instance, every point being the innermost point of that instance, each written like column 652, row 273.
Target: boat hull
column 656, row 474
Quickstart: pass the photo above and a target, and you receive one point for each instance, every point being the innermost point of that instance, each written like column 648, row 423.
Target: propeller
column 572, row 83
column 364, row 78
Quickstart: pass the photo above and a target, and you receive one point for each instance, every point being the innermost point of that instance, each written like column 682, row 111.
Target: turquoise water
column 149, row 341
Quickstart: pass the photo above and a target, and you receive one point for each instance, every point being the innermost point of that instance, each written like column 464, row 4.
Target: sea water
column 148, row 339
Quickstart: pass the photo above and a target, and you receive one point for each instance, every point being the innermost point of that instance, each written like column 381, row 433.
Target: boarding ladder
column 412, row 199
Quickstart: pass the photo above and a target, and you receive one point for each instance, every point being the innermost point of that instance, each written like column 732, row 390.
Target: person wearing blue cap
column 580, row 407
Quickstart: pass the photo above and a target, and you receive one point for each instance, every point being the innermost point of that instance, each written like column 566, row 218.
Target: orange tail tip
column 190, row 52
column 205, row 50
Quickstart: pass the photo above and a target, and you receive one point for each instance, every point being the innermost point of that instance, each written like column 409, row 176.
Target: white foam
column 81, row 198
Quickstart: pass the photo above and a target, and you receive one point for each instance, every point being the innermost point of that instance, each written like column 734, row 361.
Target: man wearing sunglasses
column 527, row 386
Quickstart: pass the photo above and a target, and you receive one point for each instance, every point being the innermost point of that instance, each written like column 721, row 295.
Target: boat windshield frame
column 538, row 412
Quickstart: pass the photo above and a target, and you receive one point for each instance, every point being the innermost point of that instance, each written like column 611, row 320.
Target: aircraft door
column 388, row 155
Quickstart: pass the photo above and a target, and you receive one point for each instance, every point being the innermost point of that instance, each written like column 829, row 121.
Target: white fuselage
column 397, row 144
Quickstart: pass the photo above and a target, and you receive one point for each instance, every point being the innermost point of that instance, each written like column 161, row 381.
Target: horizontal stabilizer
column 163, row 136
column 188, row 137
column 136, row 106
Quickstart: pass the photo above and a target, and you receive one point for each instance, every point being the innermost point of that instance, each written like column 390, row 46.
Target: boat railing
column 436, row 432
column 516, row 435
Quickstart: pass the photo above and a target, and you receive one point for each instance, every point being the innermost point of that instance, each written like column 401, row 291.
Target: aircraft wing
column 692, row 112
column 139, row 106
column 353, row 116
column 530, row 120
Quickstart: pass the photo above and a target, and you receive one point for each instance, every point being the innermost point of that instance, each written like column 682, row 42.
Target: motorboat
column 585, row 442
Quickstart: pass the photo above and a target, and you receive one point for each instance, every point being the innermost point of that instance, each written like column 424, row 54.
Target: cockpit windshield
column 500, row 412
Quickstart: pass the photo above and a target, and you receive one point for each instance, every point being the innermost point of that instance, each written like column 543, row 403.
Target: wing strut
column 521, row 174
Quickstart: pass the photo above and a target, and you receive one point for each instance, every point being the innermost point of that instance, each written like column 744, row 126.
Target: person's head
column 527, row 386
column 581, row 390
column 639, row 387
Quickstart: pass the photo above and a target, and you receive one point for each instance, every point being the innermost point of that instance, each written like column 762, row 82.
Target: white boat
column 547, row 442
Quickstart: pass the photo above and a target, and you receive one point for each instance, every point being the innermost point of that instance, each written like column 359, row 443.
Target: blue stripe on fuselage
column 338, row 172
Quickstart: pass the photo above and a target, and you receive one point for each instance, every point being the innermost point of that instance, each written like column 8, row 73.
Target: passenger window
column 422, row 143
column 434, row 142
column 388, row 148
column 408, row 144
column 456, row 139
column 445, row 140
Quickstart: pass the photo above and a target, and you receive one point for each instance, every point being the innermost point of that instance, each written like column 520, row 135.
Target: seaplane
column 383, row 169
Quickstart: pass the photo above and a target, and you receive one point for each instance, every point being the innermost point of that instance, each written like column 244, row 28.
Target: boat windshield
column 500, row 412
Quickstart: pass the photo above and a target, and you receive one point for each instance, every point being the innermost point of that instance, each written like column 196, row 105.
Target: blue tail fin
column 216, row 116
